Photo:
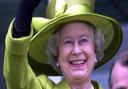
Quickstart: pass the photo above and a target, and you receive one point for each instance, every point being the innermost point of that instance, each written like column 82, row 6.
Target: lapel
column 62, row 85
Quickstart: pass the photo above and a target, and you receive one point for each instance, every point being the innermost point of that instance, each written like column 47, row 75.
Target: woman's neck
column 81, row 85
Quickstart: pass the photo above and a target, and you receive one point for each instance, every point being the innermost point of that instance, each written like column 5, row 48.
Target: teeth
column 78, row 62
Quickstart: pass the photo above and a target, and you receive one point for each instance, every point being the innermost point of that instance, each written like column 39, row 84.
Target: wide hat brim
column 110, row 28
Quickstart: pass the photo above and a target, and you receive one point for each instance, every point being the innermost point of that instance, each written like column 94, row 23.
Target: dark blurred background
column 113, row 8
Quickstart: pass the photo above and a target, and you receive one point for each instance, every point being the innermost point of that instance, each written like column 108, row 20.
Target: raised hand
column 23, row 17
column 32, row 3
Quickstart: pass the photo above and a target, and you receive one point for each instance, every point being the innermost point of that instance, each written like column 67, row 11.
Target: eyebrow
column 67, row 37
column 84, row 35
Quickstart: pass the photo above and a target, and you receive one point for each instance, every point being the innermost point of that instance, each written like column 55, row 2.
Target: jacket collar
column 62, row 85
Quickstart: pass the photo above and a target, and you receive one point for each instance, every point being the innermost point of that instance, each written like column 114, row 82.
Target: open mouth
column 77, row 62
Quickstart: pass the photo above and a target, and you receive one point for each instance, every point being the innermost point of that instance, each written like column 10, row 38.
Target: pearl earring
column 57, row 64
column 95, row 60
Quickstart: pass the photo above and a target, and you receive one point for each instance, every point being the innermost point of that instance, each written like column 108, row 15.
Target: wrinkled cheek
column 65, row 69
column 92, row 64
column 63, row 64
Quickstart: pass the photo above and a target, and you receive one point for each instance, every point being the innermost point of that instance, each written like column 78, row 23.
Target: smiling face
column 76, row 51
column 120, row 77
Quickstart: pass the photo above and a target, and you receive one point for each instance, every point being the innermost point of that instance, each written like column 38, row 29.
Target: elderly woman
column 75, row 37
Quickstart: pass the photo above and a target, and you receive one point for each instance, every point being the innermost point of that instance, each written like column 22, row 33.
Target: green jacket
column 18, row 73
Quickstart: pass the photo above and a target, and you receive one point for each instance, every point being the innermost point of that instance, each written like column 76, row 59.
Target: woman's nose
column 76, row 49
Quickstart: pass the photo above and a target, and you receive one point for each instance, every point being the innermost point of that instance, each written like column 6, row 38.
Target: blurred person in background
column 118, row 78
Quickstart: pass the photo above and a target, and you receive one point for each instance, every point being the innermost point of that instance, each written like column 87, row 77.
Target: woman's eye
column 83, row 40
column 68, row 42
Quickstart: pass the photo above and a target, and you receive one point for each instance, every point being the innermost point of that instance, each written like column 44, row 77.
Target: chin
column 79, row 75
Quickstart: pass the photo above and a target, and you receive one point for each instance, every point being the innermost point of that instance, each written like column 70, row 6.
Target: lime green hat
column 60, row 12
